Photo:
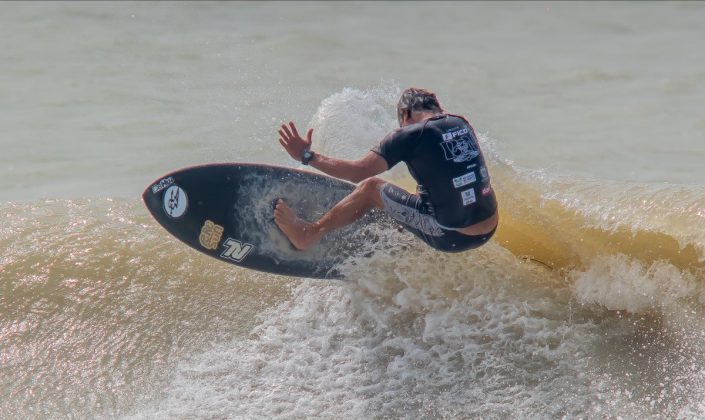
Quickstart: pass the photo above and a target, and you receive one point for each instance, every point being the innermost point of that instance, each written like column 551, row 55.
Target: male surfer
column 454, row 208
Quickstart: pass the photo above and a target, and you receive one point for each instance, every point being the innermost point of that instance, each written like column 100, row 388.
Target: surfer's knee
column 371, row 184
column 370, row 188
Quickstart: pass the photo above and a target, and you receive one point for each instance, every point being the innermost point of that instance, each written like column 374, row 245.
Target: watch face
column 306, row 157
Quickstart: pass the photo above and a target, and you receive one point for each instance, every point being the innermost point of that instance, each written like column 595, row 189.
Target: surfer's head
column 415, row 100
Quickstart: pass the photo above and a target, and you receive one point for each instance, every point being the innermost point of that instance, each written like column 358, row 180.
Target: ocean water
column 588, row 303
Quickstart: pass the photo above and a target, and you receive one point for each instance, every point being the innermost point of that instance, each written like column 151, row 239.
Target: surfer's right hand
column 292, row 142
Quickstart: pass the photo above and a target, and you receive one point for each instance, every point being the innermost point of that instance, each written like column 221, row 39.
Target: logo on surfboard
column 235, row 250
column 175, row 202
column 210, row 235
column 161, row 185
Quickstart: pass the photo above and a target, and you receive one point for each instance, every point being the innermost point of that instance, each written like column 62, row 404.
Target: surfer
column 454, row 208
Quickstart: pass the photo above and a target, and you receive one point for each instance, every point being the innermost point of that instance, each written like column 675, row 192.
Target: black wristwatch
column 306, row 156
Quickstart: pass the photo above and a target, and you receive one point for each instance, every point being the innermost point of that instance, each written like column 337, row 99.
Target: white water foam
column 349, row 123
column 620, row 283
column 352, row 121
column 407, row 338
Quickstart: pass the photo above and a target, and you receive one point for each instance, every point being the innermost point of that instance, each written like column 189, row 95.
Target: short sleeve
column 397, row 145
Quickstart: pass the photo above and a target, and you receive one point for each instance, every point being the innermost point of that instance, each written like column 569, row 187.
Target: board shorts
column 414, row 215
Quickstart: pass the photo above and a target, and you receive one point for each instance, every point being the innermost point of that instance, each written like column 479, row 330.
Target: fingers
column 284, row 136
column 289, row 137
column 293, row 129
column 286, row 130
column 290, row 132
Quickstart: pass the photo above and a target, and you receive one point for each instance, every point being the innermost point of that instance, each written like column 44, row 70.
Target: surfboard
column 226, row 211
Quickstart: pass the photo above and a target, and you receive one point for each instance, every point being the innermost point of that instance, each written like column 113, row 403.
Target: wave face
column 97, row 302
column 589, row 301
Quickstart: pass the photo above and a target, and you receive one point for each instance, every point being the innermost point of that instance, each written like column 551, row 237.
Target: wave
column 569, row 224
column 570, row 221
column 630, row 246
column 590, row 297
column 116, row 317
column 97, row 301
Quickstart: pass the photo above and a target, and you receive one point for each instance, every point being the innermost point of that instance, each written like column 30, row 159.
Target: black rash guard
column 444, row 157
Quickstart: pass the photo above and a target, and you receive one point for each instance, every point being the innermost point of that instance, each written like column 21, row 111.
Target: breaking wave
column 589, row 301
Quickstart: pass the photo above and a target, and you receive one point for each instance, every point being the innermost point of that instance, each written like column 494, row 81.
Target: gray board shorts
column 414, row 215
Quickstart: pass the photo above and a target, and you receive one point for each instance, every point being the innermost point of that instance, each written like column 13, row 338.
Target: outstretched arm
column 355, row 171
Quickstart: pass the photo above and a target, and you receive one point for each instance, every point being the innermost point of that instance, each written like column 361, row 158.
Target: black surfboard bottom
column 226, row 212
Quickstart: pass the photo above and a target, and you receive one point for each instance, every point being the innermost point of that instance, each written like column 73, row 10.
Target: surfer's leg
column 354, row 206
column 303, row 234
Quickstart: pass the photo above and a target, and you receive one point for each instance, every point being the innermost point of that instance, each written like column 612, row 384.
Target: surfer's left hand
column 292, row 142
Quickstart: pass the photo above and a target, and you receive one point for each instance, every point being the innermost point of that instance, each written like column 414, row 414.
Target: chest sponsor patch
column 468, row 197
column 464, row 180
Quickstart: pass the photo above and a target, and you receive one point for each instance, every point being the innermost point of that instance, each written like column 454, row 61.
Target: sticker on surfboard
column 175, row 202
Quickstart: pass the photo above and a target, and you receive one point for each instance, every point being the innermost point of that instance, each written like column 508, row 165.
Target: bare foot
column 300, row 232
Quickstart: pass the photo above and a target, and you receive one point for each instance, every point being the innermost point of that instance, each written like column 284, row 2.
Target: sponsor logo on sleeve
column 464, row 180
column 175, row 202
column 235, row 250
column 210, row 235
column 468, row 197
column 486, row 190
column 161, row 185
